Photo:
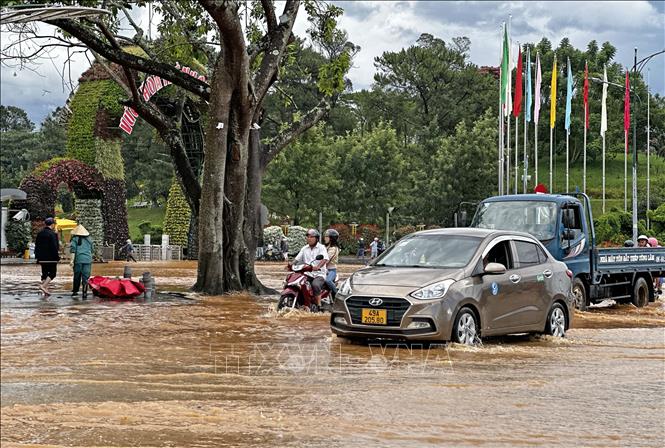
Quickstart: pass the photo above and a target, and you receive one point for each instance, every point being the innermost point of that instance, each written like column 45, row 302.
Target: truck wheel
column 640, row 293
column 579, row 293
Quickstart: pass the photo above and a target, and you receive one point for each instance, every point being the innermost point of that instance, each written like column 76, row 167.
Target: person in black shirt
column 46, row 254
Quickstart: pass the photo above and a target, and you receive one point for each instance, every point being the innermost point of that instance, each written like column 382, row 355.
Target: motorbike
column 272, row 254
column 298, row 291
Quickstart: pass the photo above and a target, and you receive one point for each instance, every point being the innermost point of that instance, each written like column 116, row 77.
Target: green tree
column 14, row 118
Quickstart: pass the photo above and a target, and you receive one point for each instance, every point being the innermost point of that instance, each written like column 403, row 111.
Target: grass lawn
column 136, row 216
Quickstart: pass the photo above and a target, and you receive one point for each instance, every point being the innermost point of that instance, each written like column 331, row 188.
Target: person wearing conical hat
column 82, row 249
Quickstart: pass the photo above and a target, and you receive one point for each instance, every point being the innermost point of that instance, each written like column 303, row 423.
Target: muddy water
column 229, row 371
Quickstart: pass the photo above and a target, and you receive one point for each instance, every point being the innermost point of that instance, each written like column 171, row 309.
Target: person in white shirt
column 374, row 248
column 307, row 255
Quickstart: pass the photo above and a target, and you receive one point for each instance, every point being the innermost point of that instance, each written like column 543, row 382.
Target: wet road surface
column 184, row 370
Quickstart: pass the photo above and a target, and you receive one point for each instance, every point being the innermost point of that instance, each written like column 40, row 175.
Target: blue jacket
column 82, row 248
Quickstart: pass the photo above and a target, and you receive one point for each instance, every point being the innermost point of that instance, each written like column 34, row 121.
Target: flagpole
column 526, row 157
column 567, row 163
column 603, row 173
column 535, row 152
column 625, row 172
column 517, row 163
column 648, row 153
column 500, row 164
column 508, row 158
column 584, row 165
column 551, row 184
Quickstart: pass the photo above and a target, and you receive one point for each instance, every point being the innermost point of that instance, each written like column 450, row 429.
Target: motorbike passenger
column 307, row 255
column 331, row 238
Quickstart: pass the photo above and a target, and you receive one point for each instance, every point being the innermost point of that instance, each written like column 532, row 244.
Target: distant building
column 488, row 70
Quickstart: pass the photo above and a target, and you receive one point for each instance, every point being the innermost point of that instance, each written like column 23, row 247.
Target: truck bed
column 631, row 259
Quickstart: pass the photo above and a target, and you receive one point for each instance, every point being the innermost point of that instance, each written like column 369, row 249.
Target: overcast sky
column 389, row 26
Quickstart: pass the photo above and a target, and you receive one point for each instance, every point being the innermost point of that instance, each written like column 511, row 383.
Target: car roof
column 474, row 232
column 533, row 197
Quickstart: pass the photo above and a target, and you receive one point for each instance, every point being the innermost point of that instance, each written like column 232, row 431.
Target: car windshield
column 431, row 251
column 536, row 218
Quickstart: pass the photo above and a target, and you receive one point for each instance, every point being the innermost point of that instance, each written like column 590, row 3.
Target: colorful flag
column 569, row 95
column 553, row 96
column 505, row 70
column 528, row 85
column 536, row 103
column 603, row 110
column 517, row 99
column 626, row 108
column 586, row 95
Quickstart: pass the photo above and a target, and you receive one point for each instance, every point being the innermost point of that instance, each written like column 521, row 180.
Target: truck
column 564, row 224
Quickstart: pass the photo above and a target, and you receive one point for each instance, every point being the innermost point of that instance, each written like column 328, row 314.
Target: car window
column 542, row 256
column 430, row 251
column 527, row 254
column 500, row 253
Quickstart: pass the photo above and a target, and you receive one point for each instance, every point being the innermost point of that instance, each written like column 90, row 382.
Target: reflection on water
column 231, row 371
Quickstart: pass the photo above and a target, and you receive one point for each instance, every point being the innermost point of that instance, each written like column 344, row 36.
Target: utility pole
column 635, row 159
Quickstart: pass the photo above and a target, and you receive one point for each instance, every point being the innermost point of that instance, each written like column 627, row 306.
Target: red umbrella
column 115, row 288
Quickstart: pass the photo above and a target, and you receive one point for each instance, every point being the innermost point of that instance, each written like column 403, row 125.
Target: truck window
column 527, row 254
column 537, row 218
column 500, row 253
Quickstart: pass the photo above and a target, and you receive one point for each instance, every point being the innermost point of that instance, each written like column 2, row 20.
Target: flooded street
column 185, row 370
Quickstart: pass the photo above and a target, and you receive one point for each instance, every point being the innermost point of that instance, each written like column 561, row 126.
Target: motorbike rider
column 307, row 255
column 331, row 237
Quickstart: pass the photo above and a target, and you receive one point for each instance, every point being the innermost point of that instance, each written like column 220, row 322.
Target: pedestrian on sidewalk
column 46, row 254
column 361, row 249
column 82, row 249
column 129, row 251
column 374, row 248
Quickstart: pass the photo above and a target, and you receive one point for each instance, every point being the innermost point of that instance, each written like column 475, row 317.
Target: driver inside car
column 307, row 255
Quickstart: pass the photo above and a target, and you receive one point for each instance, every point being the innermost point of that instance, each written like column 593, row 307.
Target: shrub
column 273, row 235
column 114, row 211
column 401, row 232
column 296, row 239
column 18, row 235
column 178, row 215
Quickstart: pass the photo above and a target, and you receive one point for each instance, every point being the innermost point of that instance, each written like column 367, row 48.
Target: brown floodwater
column 186, row 370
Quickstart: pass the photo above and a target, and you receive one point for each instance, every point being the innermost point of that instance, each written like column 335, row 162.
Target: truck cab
column 564, row 224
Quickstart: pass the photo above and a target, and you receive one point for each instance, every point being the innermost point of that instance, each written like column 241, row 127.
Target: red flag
column 517, row 98
column 586, row 95
column 626, row 109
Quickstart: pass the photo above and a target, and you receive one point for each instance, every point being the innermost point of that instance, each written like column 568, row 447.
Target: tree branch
column 122, row 58
column 276, row 144
column 278, row 40
column 271, row 19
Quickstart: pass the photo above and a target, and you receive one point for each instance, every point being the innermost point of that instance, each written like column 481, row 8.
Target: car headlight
column 345, row 288
column 433, row 291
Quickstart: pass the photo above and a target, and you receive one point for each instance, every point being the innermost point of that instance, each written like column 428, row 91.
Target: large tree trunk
column 252, row 225
column 210, row 276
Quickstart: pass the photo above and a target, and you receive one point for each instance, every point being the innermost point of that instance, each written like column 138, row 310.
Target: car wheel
column 579, row 294
column 556, row 321
column 465, row 328
column 640, row 293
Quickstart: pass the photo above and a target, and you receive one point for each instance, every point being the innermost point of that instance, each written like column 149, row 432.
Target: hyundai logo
column 375, row 301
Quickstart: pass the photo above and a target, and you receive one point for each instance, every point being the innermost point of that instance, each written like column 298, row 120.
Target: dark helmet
column 314, row 232
column 628, row 243
column 333, row 235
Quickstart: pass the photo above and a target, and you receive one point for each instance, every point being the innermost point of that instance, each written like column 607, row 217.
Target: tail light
column 569, row 273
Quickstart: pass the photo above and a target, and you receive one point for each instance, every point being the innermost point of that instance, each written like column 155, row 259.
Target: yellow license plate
column 374, row 317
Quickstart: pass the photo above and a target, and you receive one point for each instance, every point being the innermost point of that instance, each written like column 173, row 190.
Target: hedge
column 178, row 214
column 114, row 211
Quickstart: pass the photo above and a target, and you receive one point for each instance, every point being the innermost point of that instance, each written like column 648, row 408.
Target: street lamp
column 390, row 210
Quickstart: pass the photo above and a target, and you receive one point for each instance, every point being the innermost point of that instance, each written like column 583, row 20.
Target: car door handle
column 547, row 273
column 515, row 278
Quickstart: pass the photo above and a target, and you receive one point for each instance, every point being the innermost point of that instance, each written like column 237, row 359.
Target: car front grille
column 396, row 307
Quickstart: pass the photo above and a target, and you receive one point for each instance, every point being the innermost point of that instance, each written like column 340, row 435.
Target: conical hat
column 79, row 230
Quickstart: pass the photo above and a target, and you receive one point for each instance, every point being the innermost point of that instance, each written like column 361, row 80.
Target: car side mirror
column 495, row 269
column 319, row 257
